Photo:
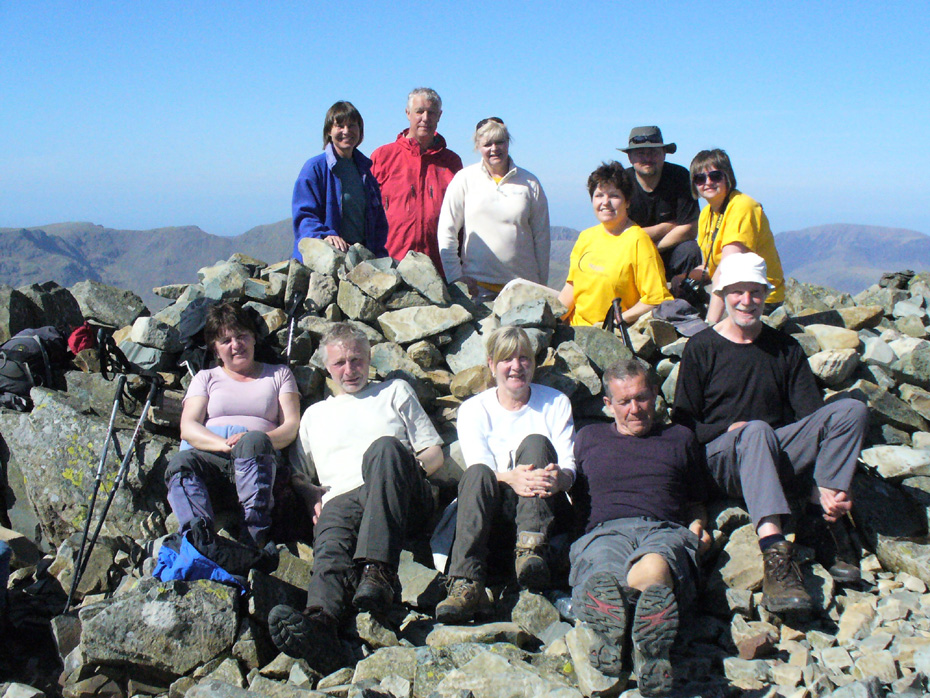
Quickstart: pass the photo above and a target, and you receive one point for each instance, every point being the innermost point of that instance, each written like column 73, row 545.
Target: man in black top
column 662, row 202
column 640, row 490
column 748, row 393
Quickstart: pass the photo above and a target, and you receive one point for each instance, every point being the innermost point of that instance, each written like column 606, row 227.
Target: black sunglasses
column 715, row 176
column 651, row 138
column 495, row 119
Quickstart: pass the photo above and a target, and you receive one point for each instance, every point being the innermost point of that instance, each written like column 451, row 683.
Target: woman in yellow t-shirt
column 730, row 223
column 614, row 259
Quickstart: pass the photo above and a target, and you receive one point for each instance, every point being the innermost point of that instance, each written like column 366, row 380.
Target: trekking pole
column 120, row 384
column 120, row 476
column 291, row 307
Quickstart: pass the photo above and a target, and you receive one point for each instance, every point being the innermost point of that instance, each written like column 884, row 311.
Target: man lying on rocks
column 750, row 396
column 373, row 447
column 640, row 492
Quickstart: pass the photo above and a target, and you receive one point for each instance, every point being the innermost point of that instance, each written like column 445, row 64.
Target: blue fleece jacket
column 317, row 203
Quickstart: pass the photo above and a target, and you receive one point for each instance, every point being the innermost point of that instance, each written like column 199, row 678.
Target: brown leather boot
column 782, row 585
column 530, row 560
column 462, row 601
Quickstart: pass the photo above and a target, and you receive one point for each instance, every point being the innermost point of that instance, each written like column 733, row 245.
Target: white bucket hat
column 746, row 267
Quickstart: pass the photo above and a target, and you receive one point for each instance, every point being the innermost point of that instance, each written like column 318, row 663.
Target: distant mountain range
column 844, row 257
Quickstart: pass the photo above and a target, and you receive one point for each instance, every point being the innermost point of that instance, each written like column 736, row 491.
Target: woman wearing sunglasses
column 730, row 223
column 504, row 214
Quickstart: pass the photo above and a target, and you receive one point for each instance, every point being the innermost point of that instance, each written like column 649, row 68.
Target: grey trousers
column 250, row 468
column 758, row 463
column 615, row 546
column 485, row 505
column 368, row 523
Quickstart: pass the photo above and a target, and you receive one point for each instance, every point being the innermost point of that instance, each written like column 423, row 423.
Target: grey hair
column 344, row 333
column 427, row 93
column 624, row 369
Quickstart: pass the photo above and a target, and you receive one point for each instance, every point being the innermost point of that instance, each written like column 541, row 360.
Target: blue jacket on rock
column 317, row 203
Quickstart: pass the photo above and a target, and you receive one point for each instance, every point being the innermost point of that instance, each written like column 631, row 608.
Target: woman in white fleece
column 503, row 212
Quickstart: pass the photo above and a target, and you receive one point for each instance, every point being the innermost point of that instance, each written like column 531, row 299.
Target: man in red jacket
column 413, row 173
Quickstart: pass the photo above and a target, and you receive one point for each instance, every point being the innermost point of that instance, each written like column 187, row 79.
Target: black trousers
column 368, row 523
column 486, row 506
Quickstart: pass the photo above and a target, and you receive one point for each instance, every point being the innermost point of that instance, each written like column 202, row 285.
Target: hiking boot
column 832, row 547
column 530, row 560
column 462, row 600
column 377, row 588
column 310, row 635
column 782, row 587
column 602, row 608
column 655, row 626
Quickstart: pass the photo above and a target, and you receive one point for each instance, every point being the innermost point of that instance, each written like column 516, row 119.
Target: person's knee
column 851, row 411
column 387, row 457
column 650, row 569
column 182, row 463
column 251, row 444
column 478, row 475
column 535, row 449
column 757, row 434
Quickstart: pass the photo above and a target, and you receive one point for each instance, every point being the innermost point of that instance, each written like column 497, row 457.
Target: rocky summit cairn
column 131, row 635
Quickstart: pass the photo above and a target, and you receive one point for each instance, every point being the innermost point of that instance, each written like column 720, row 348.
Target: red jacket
column 412, row 187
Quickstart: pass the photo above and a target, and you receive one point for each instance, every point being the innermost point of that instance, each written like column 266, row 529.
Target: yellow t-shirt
column 605, row 266
column 743, row 221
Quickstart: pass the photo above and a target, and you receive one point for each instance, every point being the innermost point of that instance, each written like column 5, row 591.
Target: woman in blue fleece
column 336, row 197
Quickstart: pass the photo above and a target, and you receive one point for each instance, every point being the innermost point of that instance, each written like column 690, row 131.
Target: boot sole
column 603, row 610
column 655, row 627
column 296, row 636
column 290, row 631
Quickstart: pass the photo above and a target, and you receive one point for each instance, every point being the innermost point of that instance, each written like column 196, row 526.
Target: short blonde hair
column 490, row 130
column 505, row 341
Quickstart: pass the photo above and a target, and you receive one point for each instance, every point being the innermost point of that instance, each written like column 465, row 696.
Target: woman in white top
column 517, row 440
column 502, row 211
column 235, row 419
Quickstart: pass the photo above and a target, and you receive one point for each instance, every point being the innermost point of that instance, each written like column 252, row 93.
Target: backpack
column 28, row 360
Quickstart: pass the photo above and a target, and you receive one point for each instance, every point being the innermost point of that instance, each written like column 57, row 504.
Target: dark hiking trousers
column 485, row 505
column 249, row 468
column 681, row 258
column 368, row 523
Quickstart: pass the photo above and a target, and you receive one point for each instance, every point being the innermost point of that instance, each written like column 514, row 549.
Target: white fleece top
column 506, row 227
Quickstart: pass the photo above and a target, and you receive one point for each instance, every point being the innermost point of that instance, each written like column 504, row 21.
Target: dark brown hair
column 340, row 113
column 225, row 317
column 610, row 173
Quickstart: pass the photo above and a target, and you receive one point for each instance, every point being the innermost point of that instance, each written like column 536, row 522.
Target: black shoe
column 377, row 589
column 655, row 627
column 310, row 635
column 782, row 585
column 603, row 609
column 832, row 547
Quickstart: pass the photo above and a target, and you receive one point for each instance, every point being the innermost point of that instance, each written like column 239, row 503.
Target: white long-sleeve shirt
column 490, row 434
column 506, row 227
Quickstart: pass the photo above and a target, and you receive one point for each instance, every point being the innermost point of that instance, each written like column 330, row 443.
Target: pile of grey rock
column 132, row 635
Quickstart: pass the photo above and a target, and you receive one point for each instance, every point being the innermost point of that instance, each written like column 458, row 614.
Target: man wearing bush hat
column 748, row 393
column 662, row 203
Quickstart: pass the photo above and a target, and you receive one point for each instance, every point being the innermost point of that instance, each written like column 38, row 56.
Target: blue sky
column 143, row 115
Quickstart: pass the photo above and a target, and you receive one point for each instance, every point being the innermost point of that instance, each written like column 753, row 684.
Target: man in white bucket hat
column 749, row 394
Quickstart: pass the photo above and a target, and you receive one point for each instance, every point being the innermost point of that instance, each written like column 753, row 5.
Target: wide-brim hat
column 745, row 267
column 647, row 137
